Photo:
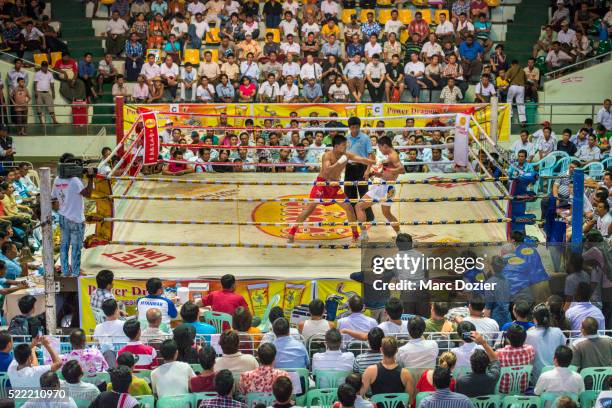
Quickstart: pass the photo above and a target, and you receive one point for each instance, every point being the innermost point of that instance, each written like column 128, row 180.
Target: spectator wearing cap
column 561, row 14
column 44, row 92
column 138, row 386
column 566, row 35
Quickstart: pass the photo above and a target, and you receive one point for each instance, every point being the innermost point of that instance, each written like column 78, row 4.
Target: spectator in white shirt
column 356, row 321
column 333, row 358
column 372, row 47
column 169, row 73
column 290, row 46
column 431, row 48
column 445, row 30
column 178, row 26
column 561, row 378
column 50, row 383
column 268, row 91
column 75, row 387
column 418, row 352
column 24, row 372
column 140, row 90
column 413, row 76
column 205, row 91
column 289, row 25
column 330, row 8
column 566, row 35
column 338, row 91
column 483, row 324
column 557, row 58
column 484, row 90
column 172, row 377
column 44, row 92
column 310, row 69
column 116, row 29
column 150, row 70
column 604, row 116
column 111, row 330
column 290, row 67
column 289, row 92
column 394, row 25
column 590, row 152
column 523, row 144
column 310, row 26
column 547, row 143
column 467, row 347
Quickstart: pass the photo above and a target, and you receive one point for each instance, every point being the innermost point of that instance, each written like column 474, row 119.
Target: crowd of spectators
column 383, row 355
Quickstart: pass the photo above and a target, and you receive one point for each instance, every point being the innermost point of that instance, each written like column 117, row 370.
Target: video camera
column 73, row 167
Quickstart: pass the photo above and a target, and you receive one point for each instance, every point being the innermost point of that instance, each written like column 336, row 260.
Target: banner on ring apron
column 151, row 138
column 257, row 111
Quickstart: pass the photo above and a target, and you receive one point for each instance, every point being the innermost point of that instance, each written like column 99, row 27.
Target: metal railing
column 578, row 65
column 560, row 114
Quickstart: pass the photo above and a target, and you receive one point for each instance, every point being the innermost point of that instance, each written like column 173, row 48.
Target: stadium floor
column 272, row 263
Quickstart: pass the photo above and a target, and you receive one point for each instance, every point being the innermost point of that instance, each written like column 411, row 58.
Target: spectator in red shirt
column 146, row 355
column 225, row 300
column 71, row 86
column 517, row 353
column 205, row 380
column 419, row 26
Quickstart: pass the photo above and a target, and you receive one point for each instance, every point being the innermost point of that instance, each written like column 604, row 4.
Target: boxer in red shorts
column 333, row 163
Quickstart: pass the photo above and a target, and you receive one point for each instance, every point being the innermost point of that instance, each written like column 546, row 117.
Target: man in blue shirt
column 290, row 352
column 443, row 397
column 190, row 313
column 6, row 350
column 155, row 299
column 471, row 57
column 359, row 144
column 521, row 166
column 9, row 257
column 87, row 73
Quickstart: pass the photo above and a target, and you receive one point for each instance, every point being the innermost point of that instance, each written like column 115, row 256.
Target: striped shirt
column 445, row 398
column 365, row 360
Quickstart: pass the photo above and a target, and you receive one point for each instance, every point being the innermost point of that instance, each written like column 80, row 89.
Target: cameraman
column 70, row 193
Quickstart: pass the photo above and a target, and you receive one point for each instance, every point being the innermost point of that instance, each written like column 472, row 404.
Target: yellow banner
column 336, row 293
column 179, row 114
column 258, row 293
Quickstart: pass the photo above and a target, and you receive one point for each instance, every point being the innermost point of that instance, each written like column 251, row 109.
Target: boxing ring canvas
column 173, row 262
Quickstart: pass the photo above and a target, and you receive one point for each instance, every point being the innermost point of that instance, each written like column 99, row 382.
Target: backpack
column 19, row 326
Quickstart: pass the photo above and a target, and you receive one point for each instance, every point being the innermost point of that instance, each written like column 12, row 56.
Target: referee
column 359, row 144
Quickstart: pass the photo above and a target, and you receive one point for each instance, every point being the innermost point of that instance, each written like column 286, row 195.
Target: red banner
column 151, row 138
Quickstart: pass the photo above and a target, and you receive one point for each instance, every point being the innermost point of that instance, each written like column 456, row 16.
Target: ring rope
column 307, row 128
column 303, row 245
column 308, row 118
column 311, row 183
column 327, row 200
column 285, row 164
column 267, row 147
column 313, row 224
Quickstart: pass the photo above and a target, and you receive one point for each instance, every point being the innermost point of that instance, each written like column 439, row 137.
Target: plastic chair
column 212, row 36
column 329, row 378
column 572, row 368
column 192, row 56
column 146, row 401
column 558, row 154
column 607, row 162
column 391, row 400
column 82, row 403
column 587, row 398
column 486, row 401
column 324, row 396
column 363, row 16
column 55, row 56
column 595, row 170
column 405, row 16
column 545, row 168
column 65, row 348
column 264, row 326
column 144, row 374
column 461, row 370
column 264, row 397
column 346, row 15
column 304, row 374
column 437, row 15
column 562, row 166
column 4, row 379
column 97, row 378
column 522, row 401
column 197, row 368
column 553, row 396
column 516, row 373
column 384, row 15
column 40, row 58
column 421, row 395
column 598, row 374
column 218, row 319
column 98, row 315
column 175, row 401
column 200, row 396
column 276, row 36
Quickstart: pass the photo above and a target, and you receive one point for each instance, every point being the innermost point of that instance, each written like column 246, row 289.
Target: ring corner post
column 47, row 245
column 577, row 207
column 119, row 103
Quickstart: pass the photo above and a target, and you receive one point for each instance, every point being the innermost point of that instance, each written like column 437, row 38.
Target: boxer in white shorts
column 388, row 170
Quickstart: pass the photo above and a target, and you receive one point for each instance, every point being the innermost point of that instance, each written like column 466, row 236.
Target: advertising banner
column 151, row 138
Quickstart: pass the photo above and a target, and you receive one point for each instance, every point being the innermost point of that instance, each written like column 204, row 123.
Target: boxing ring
column 203, row 225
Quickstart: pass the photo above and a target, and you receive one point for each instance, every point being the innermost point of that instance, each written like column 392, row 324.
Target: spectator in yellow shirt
column 330, row 28
column 502, row 85
column 139, row 386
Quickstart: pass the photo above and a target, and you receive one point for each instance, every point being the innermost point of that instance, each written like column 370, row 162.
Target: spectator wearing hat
column 138, row 386
column 44, row 92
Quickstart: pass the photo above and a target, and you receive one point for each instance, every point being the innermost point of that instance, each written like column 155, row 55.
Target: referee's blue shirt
column 360, row 145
